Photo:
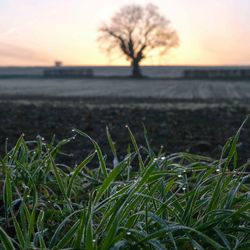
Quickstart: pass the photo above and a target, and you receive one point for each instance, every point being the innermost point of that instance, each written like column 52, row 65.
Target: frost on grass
column 147, row 200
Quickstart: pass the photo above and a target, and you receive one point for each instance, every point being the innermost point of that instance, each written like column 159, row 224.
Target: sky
column 39, row 32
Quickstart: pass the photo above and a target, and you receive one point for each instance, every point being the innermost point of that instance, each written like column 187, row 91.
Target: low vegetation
column 147, row 200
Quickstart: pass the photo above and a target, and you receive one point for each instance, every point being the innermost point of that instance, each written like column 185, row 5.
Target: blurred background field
column 200, row 128
column 194, row 115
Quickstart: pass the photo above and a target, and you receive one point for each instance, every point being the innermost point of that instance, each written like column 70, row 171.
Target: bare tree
column 135, row 31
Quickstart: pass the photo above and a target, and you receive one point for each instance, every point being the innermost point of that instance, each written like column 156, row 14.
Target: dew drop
column 179, row 176
column 94, row 240
column 128, row 233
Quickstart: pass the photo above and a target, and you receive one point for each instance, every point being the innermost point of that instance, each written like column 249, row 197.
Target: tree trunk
column 136, row 70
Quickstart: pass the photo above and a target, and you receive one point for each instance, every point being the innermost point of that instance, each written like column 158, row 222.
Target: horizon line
column 128, row 66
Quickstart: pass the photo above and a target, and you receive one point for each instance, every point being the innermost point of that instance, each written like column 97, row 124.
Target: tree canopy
column 135, row 31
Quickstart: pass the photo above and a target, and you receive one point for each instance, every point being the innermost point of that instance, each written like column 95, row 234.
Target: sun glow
column 38, row 33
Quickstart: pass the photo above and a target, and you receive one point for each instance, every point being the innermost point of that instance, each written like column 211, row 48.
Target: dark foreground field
column 201, row 129
column 144, row 200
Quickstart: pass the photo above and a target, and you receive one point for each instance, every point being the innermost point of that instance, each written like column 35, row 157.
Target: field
column 193, row 127
column 181, row 115
column 144, row 200
column 170, row 172
column 127, row 88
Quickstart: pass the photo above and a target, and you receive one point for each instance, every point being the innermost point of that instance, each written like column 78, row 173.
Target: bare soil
column 127, row 88
column 196, row 128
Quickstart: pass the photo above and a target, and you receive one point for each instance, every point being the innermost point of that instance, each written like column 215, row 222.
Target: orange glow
column 40, row 32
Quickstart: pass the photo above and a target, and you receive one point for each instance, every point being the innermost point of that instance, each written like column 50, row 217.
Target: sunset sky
column 38, row 32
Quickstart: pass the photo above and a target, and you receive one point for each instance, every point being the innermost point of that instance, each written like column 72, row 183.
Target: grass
column 147, row 200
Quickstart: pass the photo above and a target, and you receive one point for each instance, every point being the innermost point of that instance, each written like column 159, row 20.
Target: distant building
column 217, row 74
column 68, row 72
column 58, row 64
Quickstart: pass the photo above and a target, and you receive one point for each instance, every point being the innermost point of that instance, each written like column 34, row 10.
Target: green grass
column 147, row 200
